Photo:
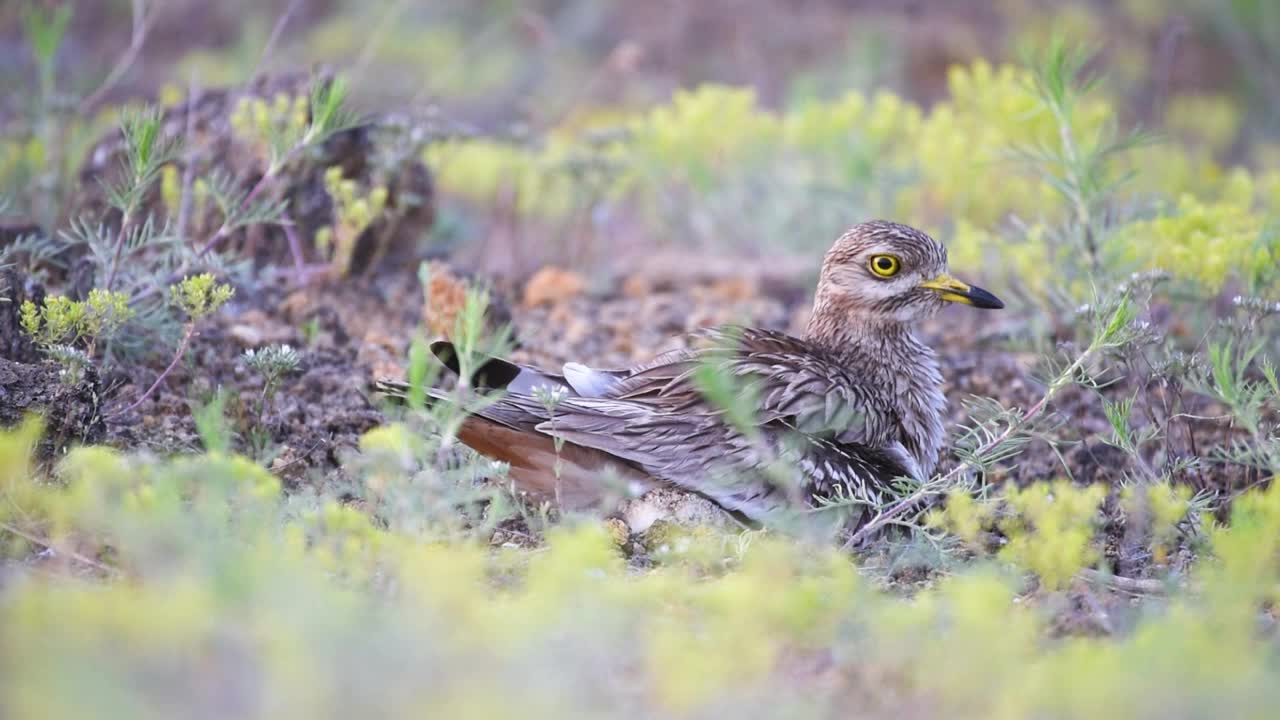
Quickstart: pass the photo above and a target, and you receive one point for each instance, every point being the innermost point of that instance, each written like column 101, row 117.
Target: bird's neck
column 889, row 355
column 842, row 332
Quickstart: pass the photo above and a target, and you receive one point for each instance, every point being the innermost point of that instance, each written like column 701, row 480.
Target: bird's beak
column 953, row 290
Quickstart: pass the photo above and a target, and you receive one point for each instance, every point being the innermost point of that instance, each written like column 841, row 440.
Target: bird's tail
column 493, row 373
column 496, row 390
column 398, row 391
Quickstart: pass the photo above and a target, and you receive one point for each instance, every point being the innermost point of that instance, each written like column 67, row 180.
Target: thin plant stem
column 295, row 247
column 189, row 171
column 276, row 31
column 1071, row 153
column 141, row 26
column 182, row 349
column 1138, row 586
column 223, row 231
column 126, row 220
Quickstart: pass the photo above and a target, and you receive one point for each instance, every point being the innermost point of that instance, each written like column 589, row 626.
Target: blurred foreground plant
column 275, row 599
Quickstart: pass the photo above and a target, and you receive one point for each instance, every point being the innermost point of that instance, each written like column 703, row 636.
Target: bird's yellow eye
column 885, row 265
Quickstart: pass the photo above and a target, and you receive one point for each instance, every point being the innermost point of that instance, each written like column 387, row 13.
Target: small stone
column 247, row 335
column 552, row 285
column 674, row 506
column 636, row 286
column 382, row 353
column 294, row 307
column 285, row 459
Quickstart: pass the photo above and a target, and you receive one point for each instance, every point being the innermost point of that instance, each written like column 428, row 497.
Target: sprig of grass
column 45, row 28
column 1080, row 170
column 1000, row 432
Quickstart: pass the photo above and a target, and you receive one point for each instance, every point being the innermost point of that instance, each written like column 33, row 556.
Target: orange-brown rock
column 552, row 285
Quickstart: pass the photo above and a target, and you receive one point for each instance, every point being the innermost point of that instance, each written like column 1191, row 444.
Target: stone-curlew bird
column 840, row 412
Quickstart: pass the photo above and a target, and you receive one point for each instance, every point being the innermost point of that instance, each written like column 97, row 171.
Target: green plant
column 996, row 434
column 352, row 214
column 61, row 321
column 550, row 399
column 59, row 324
column 37, row 158
column 273, row 363
column 198, row 297
column 1240, row 374
column 148, row 274
column 1081, row 170
column 288, row 125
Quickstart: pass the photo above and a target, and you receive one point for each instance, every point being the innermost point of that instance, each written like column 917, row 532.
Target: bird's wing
column 811, row 417
column 511, row 388
column 789, row 381
column 498, row 373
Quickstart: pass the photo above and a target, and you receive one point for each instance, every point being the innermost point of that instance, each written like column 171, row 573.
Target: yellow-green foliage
column 1051, row 528
column 965, row 143
column 233, row 599
column 1212, row 120
column 271, row 126
column 17, row 492
column 20, row 160
column 704, row 134
column 200, row 295
column 529, row 180
column 353, row 212
column 1162, row 506
column 954, row 169
column 62, row 321
column 1206, row 241
column 171, row 189
column 964, row 517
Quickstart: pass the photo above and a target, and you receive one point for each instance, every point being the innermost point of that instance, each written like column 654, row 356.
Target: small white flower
column 550, row 397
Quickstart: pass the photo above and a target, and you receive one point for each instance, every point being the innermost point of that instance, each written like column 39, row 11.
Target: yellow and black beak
column 952, row 290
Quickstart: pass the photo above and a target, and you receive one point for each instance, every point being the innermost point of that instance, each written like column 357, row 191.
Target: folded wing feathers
column 659, row 420
column 589, row 382
column 655, row 417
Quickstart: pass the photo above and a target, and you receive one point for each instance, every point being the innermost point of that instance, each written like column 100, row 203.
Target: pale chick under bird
column 843, row 411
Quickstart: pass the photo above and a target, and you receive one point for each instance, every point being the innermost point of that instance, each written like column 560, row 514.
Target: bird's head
column 882, row 270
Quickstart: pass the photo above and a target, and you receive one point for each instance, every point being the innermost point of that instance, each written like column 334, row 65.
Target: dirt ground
column 352, row 333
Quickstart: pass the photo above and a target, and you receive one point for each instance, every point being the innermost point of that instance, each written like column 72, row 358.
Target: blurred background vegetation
column 752, row 123
column 499, row 63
